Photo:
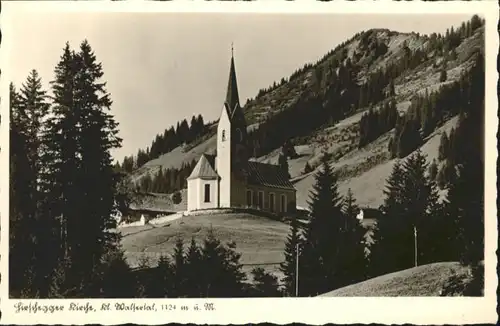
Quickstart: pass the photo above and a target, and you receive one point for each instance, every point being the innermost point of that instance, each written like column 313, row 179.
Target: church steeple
column 232, row 97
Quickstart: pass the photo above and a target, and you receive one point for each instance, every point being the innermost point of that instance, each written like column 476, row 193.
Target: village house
column 229, row 178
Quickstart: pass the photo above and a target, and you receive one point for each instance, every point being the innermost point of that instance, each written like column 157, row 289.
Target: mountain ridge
column 373, row 62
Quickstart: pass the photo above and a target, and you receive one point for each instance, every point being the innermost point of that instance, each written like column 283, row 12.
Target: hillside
column 260, row 240
column 425, row 280
column 314, row 89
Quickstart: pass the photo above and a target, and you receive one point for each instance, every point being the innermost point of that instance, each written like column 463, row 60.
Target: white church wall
column 224, row 158
column 192, row 194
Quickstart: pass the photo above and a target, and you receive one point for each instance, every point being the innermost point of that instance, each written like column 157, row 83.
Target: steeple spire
column 232, row 97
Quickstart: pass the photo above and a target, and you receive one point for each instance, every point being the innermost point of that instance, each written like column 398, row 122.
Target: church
column 229, row 178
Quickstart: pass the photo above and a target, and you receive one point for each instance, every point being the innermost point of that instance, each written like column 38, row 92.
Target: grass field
column 260, row 240
column 425, row 280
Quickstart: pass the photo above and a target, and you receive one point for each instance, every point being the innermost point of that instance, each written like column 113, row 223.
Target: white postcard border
column 276, row 310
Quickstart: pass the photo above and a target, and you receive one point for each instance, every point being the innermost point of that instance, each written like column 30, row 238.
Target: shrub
column 177, row 197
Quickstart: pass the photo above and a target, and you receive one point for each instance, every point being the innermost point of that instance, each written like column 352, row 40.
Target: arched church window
column 223, row 135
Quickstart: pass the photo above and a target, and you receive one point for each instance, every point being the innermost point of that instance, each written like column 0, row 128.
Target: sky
column 164, row 67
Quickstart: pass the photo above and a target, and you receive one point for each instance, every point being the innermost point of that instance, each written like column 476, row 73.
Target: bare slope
column 260, row 240
column 425, row 280
column 368, row 185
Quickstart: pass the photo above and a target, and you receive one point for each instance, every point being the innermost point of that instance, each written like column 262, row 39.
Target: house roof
column 205, row 168
column 269, row 175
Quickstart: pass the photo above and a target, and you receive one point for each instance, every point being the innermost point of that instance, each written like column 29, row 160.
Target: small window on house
column 260, row 199
column 249, row 198
column 207, row 193
column 283, row 203
column 223, row 135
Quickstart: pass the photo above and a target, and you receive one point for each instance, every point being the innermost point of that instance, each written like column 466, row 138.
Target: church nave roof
column 268, row 175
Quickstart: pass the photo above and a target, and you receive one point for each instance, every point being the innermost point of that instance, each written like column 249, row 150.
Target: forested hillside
column 376, row 97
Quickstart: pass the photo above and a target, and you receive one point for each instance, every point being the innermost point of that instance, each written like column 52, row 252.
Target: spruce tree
column 318, row 265
column 466, row 206
column 443, row 75
column 22, row 228
column 411, row 204
column 264, row 283
column 421, row 207
column 383, row 253
column 163, row 282
column 116, row 279
column 443, row 147
column 353, row 262
column 433, row 170
column 193, row 265
column 307, row 168
column 179, row 260
column 29, row 109
column 222, row 277
column 289, row 266
column 283, row 163
column 60, row 174
column 34, row 107
column 98, row 181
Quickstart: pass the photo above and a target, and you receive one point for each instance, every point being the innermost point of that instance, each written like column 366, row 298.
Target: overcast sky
column 163, row 67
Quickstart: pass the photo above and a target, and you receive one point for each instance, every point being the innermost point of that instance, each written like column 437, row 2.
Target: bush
column 177, row 197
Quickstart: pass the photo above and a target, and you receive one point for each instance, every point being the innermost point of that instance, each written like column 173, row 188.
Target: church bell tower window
column 223, row 135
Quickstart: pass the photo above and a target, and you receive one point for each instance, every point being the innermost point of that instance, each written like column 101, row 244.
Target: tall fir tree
column 283, row 163
column 179, row 281
column 29, row 109
column 353, row 262
column 34, row 107
column 408, row 226
column 193, row 265
column 443, row 147
column 98, row 180
column 321, row 251
column 466, row 206
column 61, row 166
column 289, row 266
column 387, row 226
column 265, row 284
column 223, row 275
column 22, row 218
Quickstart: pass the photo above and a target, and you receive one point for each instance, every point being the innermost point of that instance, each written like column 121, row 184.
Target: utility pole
column 297, row 270
column 415, row 236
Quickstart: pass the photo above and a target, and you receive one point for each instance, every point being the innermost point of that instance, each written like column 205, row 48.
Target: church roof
column 268, row 175
column 232, row 96
column 205, row 168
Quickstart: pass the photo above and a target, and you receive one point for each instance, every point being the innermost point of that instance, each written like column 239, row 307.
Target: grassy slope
column 368, row 186
column 260, row 240
column 425, row 280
